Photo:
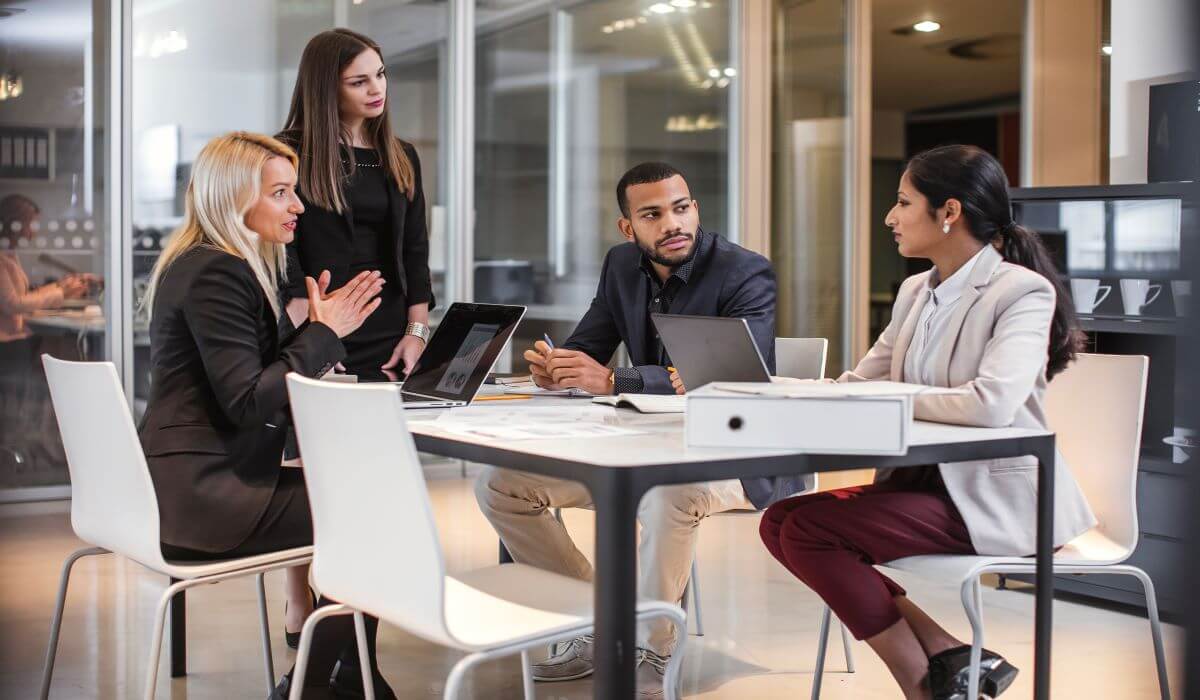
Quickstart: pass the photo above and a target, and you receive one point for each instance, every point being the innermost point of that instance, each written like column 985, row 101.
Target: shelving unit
column 1162, row 484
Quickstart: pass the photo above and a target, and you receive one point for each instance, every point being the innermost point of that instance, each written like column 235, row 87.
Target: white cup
column 1083, row 291
column 1181, row 292
column 1134, row 295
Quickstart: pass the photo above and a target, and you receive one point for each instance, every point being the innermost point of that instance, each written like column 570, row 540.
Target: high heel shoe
column 293, row 638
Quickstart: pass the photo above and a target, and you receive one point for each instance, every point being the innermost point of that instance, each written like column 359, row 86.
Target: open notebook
column 645, row 403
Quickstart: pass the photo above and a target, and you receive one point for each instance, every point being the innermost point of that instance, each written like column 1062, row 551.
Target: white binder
column 825, row 420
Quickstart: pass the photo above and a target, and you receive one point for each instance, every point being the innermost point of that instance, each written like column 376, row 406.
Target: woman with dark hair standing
column 990, row 318
column 364, row 209
column 364, row 206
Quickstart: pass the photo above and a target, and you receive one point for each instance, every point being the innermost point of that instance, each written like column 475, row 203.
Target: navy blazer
column 726, row 280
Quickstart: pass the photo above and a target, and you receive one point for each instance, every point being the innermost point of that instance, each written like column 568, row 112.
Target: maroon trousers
column 830, row 541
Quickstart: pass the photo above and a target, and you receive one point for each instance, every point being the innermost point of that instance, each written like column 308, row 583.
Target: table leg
column 178, row 633
column 1044, row 606
column 615, row 587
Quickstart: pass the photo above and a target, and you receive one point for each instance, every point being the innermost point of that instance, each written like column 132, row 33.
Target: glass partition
column 53, row 223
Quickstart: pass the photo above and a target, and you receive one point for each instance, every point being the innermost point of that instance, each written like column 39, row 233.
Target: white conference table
column 619, row 471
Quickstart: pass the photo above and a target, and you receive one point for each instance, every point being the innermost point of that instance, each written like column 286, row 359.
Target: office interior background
column 792, row 120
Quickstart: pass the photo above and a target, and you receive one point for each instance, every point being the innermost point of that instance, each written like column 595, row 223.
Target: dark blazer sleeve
column 753, row 298
column 416, row 239
column 222, row 312
column 597, row 333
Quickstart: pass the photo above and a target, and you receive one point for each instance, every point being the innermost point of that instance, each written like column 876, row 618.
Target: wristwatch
column 612, row 379
column 420, row 330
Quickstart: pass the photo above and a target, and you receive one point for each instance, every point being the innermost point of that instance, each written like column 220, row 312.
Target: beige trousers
column 518, row 505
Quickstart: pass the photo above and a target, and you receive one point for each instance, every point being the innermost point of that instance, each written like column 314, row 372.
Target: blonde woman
column 216, row 419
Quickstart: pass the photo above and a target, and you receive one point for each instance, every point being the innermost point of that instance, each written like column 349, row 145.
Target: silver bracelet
column 420, row 330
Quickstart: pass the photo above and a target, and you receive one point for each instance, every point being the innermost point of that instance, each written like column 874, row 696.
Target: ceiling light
column 683, row 3
column 1106, row 49
column 714, row 73
column 730, row 72
column 705, row 5
column 661, row 8
column 607, row 29
column 706, row 84
column 927, row 26
column 723, row 82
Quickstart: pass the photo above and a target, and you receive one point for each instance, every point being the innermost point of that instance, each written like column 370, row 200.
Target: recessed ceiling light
column 1106, row 49
column 661, row 8
column 683, row 3
column 607, row 29
column 927, row 26
column 730, row 72
column 714, row 73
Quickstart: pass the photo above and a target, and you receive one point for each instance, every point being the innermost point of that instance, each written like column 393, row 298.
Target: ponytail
column 975, row 178
column 1021, row 246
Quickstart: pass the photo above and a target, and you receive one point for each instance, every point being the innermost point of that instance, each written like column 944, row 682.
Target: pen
column 549, row 342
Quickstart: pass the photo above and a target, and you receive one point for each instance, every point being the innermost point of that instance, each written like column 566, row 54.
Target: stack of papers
column 819, row 389
column 532, row 423
column 532, row 389
column 646, row 403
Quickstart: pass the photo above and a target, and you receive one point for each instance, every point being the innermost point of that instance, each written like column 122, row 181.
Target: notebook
column 646, row 403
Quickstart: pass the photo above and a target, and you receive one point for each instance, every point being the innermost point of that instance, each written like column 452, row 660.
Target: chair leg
column 822, row 643
column 56, row 621
column 972, row 600
column 455, row 678
column 266, row 631
column 305, row 646
column 160, row 620
column 527, row 676
column 673, row 677
column 847, row 647
column 694, row 587
column 364, row 657
column 1160, row 656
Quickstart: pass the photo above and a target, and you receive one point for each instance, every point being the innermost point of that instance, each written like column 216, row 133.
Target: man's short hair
column 641, row 174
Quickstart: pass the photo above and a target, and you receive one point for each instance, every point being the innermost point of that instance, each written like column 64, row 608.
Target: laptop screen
column 462, row 350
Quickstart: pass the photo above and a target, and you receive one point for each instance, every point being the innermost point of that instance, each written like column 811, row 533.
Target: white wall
column 1150, row 46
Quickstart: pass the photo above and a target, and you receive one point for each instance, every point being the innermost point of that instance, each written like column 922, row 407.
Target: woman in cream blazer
column 990, row 318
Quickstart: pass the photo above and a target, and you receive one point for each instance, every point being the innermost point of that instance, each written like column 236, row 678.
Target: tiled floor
column 760, row 643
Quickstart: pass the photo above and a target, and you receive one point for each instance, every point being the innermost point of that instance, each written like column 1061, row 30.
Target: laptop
column 706, row 349
column 458, row 356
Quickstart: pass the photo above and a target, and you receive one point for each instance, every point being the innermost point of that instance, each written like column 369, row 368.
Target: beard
column 671, row 260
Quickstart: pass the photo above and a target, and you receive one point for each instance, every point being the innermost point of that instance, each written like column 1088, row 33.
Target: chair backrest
column 1095, row 407
column 113, row 504
column 801, row 358
column 375, row 541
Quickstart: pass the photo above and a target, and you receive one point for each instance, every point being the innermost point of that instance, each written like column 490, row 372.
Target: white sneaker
column 573, row 662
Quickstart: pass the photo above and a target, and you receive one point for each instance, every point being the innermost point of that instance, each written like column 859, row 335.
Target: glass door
column 54, row 226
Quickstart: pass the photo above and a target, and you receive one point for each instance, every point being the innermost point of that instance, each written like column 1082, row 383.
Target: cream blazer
column 17, row 299
column 995, row 347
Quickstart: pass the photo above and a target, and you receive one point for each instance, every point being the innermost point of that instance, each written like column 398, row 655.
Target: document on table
column 532, row 389
column 646, row 403
column 819, row 389
column 533, row 423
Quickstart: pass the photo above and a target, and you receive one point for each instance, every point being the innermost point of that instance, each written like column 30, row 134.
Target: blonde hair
column 226, row 181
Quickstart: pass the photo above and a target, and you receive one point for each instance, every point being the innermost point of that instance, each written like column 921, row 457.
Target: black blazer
column 215, row 423
column 726, row 280
column 324, row 239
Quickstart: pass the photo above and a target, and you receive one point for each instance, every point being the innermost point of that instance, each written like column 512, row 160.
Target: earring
column 946, row 228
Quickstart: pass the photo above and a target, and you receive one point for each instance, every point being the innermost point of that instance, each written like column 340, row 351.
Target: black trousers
column 287, row 523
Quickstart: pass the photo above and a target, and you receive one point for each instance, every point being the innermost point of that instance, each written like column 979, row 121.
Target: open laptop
column 706, row 349
column 458, row 357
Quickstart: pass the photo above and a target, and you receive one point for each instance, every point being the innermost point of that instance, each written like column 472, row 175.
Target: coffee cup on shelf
column 1137, row 294
column 1083, row 291
column 1181, row 292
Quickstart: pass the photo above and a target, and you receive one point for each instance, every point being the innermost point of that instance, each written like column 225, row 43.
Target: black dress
column 369, row 347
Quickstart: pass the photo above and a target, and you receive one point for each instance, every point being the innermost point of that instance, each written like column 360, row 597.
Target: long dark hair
column 976, row 179
column 315, row 128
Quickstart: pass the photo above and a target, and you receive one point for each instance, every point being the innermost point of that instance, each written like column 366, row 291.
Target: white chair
column 114, row 507
column 366, row 487
column 1095, row 407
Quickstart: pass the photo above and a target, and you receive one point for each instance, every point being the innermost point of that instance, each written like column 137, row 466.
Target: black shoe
column 346, row 682
column 293, row 638
column 282, row 690
column 949, row 673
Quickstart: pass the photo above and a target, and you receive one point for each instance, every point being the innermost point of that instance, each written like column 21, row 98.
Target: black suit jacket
column 217, row 416
column 324, row 240
column 726, row 280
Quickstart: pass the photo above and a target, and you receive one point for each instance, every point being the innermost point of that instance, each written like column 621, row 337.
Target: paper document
column 646, row 403
column 532, row 423
column 535, row 390
column 818, row 389
column 523, row 380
